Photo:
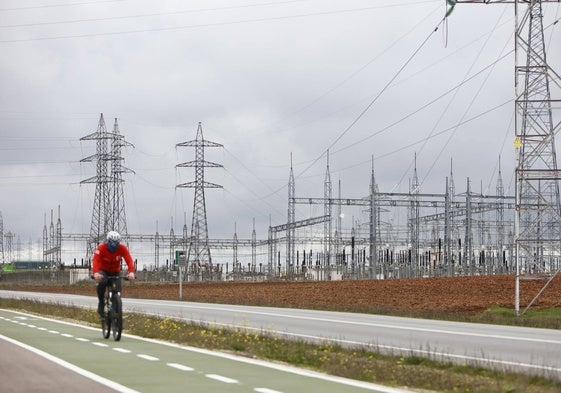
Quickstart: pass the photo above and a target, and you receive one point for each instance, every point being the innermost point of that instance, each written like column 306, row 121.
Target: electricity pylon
column 199, row 252
column 291, row 232
column 537, row 178
column 2, row 260
column 109, row 204
column 538, row 207
column 327, row 211
column 117, row 214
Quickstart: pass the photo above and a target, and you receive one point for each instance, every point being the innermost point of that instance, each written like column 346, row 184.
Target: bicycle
column 112, row 320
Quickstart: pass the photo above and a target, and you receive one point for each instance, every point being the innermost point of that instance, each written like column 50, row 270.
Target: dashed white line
column 265, row 390
column 180, row 367
column 220, row 378
column 147, row 357
column 274, row 366
column 100, row 344
column 43, row 329
column 122, row 350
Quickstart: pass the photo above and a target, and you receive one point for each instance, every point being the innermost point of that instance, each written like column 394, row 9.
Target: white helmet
column 113, row 236
column 113, row 240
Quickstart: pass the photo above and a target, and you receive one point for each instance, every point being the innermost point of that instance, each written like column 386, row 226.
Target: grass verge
column 414, row 372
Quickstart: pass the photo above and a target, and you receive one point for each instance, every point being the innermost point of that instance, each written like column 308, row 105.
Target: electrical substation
column 456, row 230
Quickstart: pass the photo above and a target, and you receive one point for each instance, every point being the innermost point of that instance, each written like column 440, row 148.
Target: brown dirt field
column 459, row 295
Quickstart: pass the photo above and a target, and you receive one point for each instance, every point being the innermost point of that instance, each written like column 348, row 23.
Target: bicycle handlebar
column 112, row 276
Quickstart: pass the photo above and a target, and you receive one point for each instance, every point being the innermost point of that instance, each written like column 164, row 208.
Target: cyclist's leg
column 118, row 284
column 101, row 293
column 116, row 304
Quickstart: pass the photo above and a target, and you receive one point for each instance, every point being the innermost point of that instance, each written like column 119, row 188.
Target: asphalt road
column 529, row 350
column 135, row 364
column 23, row 371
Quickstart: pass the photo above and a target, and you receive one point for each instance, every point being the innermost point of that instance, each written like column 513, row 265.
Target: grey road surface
column 22, row 371
column 528, row 350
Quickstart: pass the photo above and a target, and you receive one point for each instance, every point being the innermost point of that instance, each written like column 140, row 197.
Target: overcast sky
column 366, row 79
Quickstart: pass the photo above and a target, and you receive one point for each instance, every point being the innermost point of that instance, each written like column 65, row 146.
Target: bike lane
column 143, row 365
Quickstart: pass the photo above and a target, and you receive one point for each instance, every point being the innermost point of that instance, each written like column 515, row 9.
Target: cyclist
column 107, row 262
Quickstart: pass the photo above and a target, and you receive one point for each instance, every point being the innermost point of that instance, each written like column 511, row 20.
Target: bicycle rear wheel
column 117, row 318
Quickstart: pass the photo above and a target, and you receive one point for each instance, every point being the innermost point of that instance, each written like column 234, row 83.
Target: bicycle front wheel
column 106, row 325
column 117, row 318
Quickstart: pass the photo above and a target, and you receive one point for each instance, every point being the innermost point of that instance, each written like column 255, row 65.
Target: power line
column 432, row 136
column 354, row 73
column 467, row 109
column 196, row 26
column 11, row 162
column 376, row 133
column 367, row 108
column 59, row 5
column 148, row 15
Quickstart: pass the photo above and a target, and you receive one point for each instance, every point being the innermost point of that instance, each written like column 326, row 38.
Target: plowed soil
column 459, row 295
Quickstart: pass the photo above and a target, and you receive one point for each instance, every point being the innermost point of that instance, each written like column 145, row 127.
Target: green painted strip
column 153, row 366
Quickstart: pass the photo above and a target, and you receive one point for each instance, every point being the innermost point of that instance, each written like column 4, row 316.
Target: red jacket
column 110, row 262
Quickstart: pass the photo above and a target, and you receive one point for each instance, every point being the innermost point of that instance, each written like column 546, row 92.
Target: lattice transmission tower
column 198, row 254
column 109, row 204
column 2, row 260
column 537, row 203
column 117, row 216
column 291, row 232
column 328, row 211
column 538, row 213
column 9, row 236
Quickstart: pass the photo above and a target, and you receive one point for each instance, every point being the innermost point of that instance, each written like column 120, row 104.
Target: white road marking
column 67, row 335
column 100, row 344
column 94, row 377
column 147, row 357
column 442, row 355
column 265, row 390
column 181, row 367
column 261, row 363
column 122, row 350
column 54, row 332
column 220, row 378
column 84, row 340
column 358, row 323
